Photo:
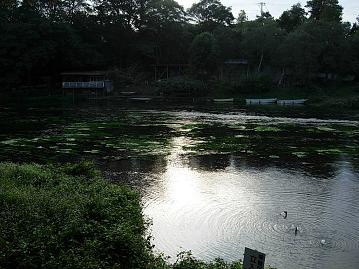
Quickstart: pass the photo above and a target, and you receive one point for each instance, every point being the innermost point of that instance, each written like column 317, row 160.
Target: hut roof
column 84, row 73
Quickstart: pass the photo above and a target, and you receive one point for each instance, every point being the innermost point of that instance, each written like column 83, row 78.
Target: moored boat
column 292, row 102
column 144, row 99
column 224, row 100
column 261, row 101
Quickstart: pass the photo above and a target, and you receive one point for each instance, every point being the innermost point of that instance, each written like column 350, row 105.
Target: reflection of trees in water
column 325, row 166
column 153, row 164
column 210, row 162
column 355, row 162
column 316, row 167
column 135, row 171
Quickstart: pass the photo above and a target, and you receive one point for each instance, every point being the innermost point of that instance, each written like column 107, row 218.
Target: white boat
column 141, row 99
column 292, row 102
column 224, row 100
column 127, row 93
column 261, row 101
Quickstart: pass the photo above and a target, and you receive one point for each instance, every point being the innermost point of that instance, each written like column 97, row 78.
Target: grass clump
column 68, row 218
column 185, row 260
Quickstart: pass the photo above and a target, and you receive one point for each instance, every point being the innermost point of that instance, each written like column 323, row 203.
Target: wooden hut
column 91, row 83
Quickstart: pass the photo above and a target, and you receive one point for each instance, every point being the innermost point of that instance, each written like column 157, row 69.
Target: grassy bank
column 70, row 217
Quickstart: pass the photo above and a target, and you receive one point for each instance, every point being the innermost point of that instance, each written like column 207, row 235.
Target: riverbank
column 334, row 102
column 70, row 217
column 339, row 94
column 323, row 95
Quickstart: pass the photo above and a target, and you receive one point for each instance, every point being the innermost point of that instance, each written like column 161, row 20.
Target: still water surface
column 214, row 182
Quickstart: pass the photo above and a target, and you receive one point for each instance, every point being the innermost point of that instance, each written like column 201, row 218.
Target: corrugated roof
column 84, row 73
column 236, row 61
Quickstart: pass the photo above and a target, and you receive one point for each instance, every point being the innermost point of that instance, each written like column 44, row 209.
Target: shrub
column 68, row 218
column 255, row 84
column 185, row 260
column 181, row 87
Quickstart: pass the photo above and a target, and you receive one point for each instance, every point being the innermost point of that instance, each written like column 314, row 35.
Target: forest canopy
column 42, row 38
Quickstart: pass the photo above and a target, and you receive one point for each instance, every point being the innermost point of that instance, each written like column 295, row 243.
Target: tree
column 354, row 28
column 165, row 27
column 326, row 10
column 265, row 17
column 354, row 43
column 297, row 55
column 204, row 54
column 7, row 8
column 330, row 37
column 74, row 8
column 129, row 13
column 33, row 46
column 291, row 19
column 162, row 12
column 228, row 40
column 9, row 4
column 242, row 17
column 260, row 42
column 211, row 11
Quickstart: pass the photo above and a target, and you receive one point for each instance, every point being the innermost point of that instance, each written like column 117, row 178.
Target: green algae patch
column 264, row 128
column 188, row 126
column 93, row 138
column 93, row 151
column 217, row 144
column 300, row 154
column 326, row 129
column 10, row 142
column 329, row 151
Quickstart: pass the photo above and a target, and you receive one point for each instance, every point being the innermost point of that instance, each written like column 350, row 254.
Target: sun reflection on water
column 181, row 185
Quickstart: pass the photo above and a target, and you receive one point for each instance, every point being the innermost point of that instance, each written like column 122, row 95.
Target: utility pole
column 262, row 5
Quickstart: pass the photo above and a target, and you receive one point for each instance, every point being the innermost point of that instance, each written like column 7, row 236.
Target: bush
column 255, row 84
column 181, row 87
column 185, row 260
column 125, row 77
column 68, row 218
column 223, row 88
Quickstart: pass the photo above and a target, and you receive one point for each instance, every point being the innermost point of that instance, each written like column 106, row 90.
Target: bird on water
column 284, row 214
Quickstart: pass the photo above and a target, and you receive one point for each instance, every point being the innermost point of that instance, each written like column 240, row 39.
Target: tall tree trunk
column 261, row 61
column 281, row 77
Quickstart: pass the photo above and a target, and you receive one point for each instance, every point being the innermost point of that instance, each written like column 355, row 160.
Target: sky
column 276, row 7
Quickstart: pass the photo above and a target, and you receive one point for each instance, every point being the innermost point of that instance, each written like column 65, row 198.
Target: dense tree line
column 41, row 38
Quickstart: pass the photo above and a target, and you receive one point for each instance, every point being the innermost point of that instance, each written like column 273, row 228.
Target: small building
column 92, row 83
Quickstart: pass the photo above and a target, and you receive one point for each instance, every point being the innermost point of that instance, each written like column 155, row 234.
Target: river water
column 214, row 182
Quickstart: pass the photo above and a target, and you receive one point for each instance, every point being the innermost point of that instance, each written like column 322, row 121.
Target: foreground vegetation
column 70, row 217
